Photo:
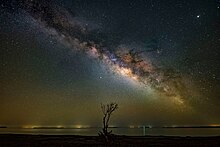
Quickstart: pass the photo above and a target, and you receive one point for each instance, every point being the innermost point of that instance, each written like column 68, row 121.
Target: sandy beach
column 7, row 140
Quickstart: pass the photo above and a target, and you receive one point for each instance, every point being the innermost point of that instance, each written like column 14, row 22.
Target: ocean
column 118, row 131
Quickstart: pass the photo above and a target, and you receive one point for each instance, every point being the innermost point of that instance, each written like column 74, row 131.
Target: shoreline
column 118, row 140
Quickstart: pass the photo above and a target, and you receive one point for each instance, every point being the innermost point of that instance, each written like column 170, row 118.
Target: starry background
column 44, row 82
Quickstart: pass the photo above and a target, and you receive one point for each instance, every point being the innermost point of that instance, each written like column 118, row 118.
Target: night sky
column 157, row 59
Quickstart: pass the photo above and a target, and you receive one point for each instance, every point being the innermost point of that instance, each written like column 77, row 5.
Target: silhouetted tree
column 107, row 110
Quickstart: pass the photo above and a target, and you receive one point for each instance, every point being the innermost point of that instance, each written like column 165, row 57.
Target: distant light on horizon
column 214, row 125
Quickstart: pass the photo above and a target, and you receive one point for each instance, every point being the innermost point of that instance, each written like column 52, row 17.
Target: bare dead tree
column 107, row 110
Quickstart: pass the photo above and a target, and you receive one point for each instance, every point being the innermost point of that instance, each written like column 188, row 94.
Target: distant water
column 119, row 131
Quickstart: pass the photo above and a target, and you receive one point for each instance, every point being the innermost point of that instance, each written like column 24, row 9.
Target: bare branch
column 107, row 110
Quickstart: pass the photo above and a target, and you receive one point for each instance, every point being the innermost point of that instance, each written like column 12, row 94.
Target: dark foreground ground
column 7, row 140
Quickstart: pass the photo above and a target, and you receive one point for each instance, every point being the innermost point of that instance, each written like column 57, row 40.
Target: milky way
column 128, row 62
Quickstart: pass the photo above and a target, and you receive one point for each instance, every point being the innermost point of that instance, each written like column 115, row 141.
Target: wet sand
column 21, row 140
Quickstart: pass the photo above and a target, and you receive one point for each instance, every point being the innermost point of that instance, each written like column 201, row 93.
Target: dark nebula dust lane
column 166, row 51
